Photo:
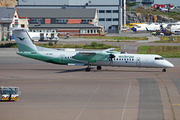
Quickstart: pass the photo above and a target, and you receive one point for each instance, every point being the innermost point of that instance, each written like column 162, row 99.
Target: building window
column 108, row 11
column 86, row 20
column 87, row 31
column 91, row 31
column 101, row 19
column 36, row 20
column 94, row 31
column 84, row 31
column 108, row 19
column 115, row 19
column 101, row 11
column 61, row 20
column 115, row 11
column 98, row 31
column 81, row 31
column 22, row 25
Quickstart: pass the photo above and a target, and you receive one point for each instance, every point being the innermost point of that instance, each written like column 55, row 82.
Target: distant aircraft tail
column 163, row 30
column 23, row 40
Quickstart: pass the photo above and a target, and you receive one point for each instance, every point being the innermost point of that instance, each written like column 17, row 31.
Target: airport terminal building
column 109, row 12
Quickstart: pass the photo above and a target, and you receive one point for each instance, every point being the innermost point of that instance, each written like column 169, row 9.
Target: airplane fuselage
column 120, row 60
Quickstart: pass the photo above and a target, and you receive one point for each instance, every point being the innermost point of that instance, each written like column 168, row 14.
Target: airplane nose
column 169, row 65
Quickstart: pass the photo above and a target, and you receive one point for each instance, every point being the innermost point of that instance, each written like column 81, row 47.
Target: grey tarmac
column 54, row 92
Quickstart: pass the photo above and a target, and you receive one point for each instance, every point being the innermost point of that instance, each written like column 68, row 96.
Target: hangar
column 79, row 22
column 110, row 12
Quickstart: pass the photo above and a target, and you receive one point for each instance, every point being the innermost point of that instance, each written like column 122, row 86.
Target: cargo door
column 138, row 61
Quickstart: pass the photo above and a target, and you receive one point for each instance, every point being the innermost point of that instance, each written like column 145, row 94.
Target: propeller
column 111, row 56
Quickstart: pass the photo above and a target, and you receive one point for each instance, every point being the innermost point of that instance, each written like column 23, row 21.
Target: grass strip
column 115, row 38
column 164, row 51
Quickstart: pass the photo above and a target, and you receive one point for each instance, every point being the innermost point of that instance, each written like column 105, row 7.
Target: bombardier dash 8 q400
column 106, row 57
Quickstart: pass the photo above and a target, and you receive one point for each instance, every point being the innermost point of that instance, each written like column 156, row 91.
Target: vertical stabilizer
column 23, row 40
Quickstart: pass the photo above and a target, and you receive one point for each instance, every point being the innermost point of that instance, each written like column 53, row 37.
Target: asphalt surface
column 58, row 92
column 54, row 92
column 150, row 105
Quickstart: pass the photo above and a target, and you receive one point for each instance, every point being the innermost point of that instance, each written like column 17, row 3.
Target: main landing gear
column 89, row 68
column 164, row 70
column 99, row 67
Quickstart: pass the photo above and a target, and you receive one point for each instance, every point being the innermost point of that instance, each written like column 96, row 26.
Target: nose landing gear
column 164, row 70
column 99, row 67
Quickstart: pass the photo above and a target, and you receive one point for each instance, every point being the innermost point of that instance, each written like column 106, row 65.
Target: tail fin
column 23, row 40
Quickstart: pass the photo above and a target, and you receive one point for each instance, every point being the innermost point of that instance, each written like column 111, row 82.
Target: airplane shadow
column 93, row 69
column 74, row 70
column 107, row 70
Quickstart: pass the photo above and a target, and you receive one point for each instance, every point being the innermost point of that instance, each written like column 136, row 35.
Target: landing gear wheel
column 88, row 69
column 164, row 70
column 99, row 67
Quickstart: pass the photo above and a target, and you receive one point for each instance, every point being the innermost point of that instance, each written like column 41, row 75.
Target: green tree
column 130, row 3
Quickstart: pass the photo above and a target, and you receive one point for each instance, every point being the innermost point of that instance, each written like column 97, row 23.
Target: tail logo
column 21, row 38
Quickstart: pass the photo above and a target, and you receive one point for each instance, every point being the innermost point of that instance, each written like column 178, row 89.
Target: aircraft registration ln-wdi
column 106, row 57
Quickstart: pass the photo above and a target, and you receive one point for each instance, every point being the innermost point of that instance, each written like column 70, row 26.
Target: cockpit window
column 159, row 58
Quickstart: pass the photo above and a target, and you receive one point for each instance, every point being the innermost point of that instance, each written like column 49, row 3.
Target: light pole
column 120, row 16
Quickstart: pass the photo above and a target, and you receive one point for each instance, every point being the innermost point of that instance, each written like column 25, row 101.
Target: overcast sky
column 173, row 2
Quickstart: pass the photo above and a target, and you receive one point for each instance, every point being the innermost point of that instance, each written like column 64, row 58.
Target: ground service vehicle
column 9, row 93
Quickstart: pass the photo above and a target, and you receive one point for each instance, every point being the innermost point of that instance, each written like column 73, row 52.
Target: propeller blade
column 111, row 56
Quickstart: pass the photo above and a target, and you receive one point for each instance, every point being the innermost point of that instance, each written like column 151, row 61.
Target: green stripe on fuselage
column 55, row 60
column 37, row 56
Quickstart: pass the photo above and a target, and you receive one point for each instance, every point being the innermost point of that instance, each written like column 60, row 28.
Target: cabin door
column 138, row 61
column 62, row 58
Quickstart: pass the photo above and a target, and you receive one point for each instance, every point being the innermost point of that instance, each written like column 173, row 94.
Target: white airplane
column 148, row 27
column 174, row 28
column 36, row 36
column 86, row 58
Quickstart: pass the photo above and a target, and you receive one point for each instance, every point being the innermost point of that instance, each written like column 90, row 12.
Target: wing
column 91, row 56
